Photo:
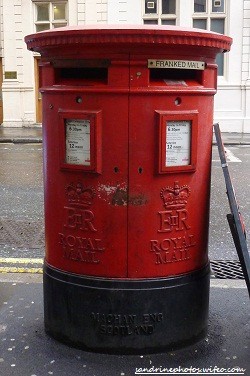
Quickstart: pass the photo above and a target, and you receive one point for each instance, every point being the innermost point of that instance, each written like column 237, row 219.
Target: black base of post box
column 126, row 316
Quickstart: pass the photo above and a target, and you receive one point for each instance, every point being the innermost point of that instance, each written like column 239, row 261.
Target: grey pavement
column 235, row 138
column 20, row 135
column 25, row 349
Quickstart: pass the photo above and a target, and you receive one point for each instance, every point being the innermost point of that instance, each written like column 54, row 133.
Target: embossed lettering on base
column 126, row 324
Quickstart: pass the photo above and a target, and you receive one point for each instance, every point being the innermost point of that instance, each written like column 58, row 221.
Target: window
column 49, row 15
column 211, row 15
column 159, row 12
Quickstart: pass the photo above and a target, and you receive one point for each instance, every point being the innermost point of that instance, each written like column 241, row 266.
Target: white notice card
column 178, row 136
column 78, row 142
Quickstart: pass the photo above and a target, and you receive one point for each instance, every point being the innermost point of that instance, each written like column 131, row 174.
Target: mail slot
column 127, row 131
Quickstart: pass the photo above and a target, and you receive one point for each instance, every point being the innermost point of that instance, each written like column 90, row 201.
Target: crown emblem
column 176, row 197
column 78, row 195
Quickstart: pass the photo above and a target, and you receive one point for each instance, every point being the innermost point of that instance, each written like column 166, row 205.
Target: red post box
column 127, row 126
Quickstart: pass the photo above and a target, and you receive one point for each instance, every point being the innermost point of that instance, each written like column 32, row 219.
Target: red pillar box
column 127, row 151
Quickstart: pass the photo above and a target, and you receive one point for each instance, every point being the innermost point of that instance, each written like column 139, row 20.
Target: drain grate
column 226, row 269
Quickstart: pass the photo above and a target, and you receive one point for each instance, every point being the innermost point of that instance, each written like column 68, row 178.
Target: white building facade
column 20, row 102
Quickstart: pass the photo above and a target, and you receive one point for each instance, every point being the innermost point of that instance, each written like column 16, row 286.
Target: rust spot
column 138, row 200
column 120, row 197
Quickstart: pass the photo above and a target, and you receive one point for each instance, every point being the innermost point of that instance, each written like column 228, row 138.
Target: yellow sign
column 10, row 75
